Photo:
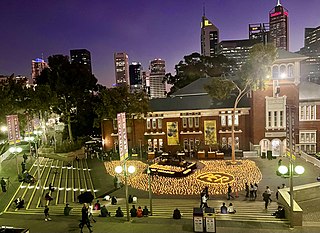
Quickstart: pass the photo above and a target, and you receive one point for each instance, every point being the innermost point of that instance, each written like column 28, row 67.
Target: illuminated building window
column 155, row 144
column 191, row 143
column 160, row 144
column 237, row 143
column 281, row 119
column 307, row 141
column 190, row 122
column 148, row 123
column 223, row 141
column 154, row 123
column 307, row 112
column 275, row 121
column 270, row 119
column 290, row 71
column 185, row 144
column 115, row 124
column 196, row 122
column 150, row 147
column 160, row 123
column 223, row 121
column 275, row 72
column 184, row 122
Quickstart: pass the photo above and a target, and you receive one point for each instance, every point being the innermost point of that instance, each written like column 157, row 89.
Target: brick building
column 190, row 121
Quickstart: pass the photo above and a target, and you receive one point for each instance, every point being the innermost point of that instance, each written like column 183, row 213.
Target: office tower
column 37, row 65
column 310, row 68
column 135, row 74
column 209, row 38
column 259, row 31
column 81, row 56
column 157, row 73
column 237, row 50
column 121, row 69
column 279, row 26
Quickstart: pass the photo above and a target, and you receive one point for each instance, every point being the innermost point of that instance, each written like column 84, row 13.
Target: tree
column 251, row 76
column 73, row 86
column 195, row 66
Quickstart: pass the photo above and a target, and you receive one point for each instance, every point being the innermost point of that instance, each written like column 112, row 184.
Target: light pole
column 150, row 191
column 16, row 150
column 131, row 169
column 285, row 170
column 37, row 133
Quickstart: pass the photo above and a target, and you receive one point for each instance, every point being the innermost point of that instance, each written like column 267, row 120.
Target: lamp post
column 125, row 170
column 16, row 150
column 285, row 170
column 37, row 133
column 150, row 191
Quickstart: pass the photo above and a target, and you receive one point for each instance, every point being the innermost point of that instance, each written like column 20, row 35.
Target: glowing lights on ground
column 190, row 185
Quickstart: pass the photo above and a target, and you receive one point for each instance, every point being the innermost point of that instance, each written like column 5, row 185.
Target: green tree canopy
column 251, row 76
column 195, row 66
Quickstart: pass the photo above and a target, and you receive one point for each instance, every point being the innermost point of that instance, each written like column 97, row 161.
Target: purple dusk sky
column 145, row 29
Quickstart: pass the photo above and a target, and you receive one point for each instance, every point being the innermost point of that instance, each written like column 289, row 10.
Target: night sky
column 145, row 29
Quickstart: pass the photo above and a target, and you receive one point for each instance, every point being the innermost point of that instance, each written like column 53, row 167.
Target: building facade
column 279, row 26
column 311, row 66
column 209, row 38
column 37, row 65
column 236, row 50
column 157, row 85
column 121, row 64
column 192, row 122
column 259, row 31
column 81, row 56
column 135, row 74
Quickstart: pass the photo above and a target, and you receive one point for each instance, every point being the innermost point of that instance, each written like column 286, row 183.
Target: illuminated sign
column 216, row 177
column 13, row 129
column 122, row 135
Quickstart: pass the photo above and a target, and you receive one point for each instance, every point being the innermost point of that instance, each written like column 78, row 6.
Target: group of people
column 19, row 202
column 227, row 210
column 251, row 191
column 139, row 212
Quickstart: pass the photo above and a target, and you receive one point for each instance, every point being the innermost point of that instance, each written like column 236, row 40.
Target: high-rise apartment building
column 37, row 65
column 237, row 50
column 157, row 73
column 135, row 74
column 259, row 31
column 209, row 38
column 81, row 56
column 279, row 26
column 121, row 64
column 310, row 67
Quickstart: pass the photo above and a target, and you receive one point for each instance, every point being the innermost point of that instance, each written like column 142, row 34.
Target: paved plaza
column 164, row 205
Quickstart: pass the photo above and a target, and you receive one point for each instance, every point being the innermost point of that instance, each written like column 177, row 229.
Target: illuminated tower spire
column 204, row 8
column 279, row 4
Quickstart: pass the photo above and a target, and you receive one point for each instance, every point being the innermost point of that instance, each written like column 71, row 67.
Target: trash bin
column 209, row 220
column 198, row 220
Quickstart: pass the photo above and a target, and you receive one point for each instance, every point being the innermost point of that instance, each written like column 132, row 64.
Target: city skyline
column 145, row 30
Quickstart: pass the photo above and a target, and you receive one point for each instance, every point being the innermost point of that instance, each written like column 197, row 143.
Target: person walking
column 251, row 192
column 277, row 193
column 90, row 213
column 84, row 219
column 204, row 200
column 25, row 157
column 229, row 192
column 46, row 214
column 265, row 196
column 23, row 166
column 255, row 190
column 247, row 189
column 269, row 193
column 3, row 185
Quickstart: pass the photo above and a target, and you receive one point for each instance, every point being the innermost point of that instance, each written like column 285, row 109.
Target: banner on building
column 13, row 129
column 122, row 136
column 172, row 133
column 210, row 132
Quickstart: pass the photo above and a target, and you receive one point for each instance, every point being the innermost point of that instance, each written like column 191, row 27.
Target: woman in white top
column 231, row 210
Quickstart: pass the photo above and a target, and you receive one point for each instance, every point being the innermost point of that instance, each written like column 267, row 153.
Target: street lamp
column 149, row 186
column 3, row 128
column 16, row 150
column 131, row 169
column 284, row 170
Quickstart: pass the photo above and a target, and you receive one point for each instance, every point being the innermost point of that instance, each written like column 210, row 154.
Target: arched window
column 283, row 71
column 290, row 71
column 275, row 72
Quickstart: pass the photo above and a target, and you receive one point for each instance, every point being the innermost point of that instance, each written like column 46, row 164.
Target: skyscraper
column 121, row 69
column 135, row 74
column 310, row 68
column 279, row 26
column 157, row 74
column 37, row 65
column 209, row 38
column 81, row 56
column 259, row 31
